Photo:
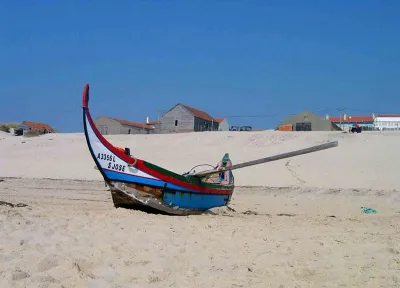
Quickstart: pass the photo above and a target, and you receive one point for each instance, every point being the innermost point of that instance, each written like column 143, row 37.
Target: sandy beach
column 291, row 223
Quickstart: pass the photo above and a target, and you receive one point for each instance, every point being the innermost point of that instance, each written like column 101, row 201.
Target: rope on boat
column 198, row 166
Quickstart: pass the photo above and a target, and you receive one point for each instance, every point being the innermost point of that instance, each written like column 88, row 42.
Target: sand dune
column 308, row 231
column 366, row 160
column 4, row 135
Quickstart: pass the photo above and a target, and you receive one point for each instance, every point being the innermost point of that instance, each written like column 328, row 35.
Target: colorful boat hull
column 135, row 182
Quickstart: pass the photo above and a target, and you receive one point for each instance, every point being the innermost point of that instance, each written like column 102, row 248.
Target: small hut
column 28, row 128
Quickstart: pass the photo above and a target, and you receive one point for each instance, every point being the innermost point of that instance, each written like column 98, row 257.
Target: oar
column 271, row 158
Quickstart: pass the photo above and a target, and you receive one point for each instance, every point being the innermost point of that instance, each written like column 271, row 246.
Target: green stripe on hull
column 165, row 171
column 195, row 180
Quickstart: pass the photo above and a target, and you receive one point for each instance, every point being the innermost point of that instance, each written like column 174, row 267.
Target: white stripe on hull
column 109, row 160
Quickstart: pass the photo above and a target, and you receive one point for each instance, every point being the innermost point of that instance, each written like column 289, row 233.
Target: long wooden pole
column 271, row 158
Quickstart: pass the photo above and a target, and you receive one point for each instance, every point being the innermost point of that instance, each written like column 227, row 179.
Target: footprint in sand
column 19, row 275
column 49, row 262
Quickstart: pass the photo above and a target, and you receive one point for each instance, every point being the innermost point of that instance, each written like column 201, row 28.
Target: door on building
column 303, row 126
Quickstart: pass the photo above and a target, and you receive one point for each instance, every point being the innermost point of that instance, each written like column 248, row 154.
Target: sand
column 291, row 223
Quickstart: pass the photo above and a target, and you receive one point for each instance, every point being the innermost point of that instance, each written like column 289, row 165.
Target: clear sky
column 266, row 59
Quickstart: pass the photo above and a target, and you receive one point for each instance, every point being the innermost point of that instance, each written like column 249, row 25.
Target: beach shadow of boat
column 121, row 200
column 142, row 208
column 150, row 210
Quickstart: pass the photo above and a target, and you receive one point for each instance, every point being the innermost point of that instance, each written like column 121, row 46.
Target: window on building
column 176, row 122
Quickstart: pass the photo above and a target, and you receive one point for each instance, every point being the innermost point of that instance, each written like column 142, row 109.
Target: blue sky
column 265, row 59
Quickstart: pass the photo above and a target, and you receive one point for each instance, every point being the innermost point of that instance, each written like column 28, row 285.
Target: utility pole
column 341, row 110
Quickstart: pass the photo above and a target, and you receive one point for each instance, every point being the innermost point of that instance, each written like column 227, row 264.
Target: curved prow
column 85, row 96
column 97, row 143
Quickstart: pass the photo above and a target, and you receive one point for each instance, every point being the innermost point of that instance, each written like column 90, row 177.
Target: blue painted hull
column 174, row 198
column 173, row 195
column 195, row 200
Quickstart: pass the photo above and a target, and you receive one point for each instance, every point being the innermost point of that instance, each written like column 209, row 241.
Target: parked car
column 245, row 128
column 234, row 128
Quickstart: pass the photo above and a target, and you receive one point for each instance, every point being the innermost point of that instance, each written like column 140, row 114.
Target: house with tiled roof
column 347, row 121
column 368, row 122
column 29, row 128
column 112, row 126
column 184, row 118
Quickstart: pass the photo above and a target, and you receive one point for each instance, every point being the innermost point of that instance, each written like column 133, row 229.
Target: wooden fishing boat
column 137, row 183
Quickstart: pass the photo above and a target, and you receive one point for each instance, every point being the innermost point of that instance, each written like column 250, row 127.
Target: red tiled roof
column 352, row 119
column 198, row 113
column 387, row 115
column 153, row 122
column 219, row 120
column 39, row 126
column 133, row 124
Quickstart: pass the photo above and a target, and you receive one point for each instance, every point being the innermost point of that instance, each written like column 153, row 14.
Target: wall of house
column 108, row 126
column 178, row 119
column 346, row 126
column 204, row 125
column 27, row 131
column 387, row 123
column 223, row 126
column 157, row 128
column 327, row 125
column 128, row 129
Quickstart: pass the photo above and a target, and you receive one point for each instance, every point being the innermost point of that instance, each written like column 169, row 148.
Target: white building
column 387, row 121
column 223, row 124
